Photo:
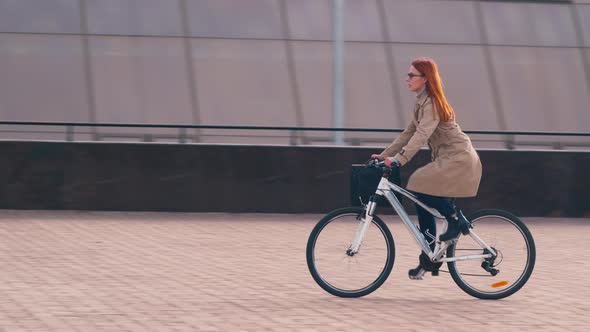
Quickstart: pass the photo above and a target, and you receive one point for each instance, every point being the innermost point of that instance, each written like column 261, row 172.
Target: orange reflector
column 500, row 284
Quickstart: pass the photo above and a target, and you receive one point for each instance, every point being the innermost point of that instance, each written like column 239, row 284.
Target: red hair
column 434, row 89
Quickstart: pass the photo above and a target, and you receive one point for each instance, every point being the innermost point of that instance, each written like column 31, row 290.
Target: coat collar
column 421, row 97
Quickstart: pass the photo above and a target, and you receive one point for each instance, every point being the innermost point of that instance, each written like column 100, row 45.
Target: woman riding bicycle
column 455, row 169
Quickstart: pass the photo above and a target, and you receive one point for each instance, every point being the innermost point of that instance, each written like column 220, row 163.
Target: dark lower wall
column 202, row 178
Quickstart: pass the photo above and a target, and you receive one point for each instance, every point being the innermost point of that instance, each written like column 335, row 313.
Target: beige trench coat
column 455, row 170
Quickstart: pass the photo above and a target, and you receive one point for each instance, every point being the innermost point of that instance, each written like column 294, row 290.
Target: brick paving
column 111, row 271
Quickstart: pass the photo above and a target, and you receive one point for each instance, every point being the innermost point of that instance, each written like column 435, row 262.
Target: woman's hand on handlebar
column 388, row 162
column 391, row 162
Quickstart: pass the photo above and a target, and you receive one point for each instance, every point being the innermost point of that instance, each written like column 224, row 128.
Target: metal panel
column 140, row 80
column 235, row 18
column 43, row 16
column 432, row 21
column 244, row 83
column 42, row 78
column 134, row 17
column 542, row 89
column 583, row 12
column 532, row 24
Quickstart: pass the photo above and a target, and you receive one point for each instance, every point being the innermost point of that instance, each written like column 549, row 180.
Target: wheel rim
column 345, row 273
column 513, row 260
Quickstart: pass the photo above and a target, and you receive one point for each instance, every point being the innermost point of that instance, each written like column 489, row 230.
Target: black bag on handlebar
column 364, row 181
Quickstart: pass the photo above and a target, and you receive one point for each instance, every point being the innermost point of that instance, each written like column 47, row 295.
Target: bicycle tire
column 528, row 267
column 325, row 284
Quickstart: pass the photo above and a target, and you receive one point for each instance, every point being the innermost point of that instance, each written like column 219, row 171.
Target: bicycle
column 487, row 263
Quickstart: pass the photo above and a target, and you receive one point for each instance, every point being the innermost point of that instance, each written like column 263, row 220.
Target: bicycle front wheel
column 331, row 263
column 500, row 276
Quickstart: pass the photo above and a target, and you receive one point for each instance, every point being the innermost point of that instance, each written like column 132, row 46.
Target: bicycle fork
column 365, row 220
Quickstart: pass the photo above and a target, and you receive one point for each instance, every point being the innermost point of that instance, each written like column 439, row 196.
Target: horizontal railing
column 183, row 137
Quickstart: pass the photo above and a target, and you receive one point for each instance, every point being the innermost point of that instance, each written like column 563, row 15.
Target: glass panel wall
column 521, row 66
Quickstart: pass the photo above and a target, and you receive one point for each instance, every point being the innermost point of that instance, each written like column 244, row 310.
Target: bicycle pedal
column 435, row 273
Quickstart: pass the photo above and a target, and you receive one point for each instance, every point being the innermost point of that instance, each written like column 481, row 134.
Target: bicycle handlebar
column 380, row 164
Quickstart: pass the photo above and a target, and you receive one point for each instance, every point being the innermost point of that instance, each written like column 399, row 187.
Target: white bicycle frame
column 385, row 188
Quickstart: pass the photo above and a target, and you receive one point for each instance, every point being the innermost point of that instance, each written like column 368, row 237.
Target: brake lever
column 374, row 162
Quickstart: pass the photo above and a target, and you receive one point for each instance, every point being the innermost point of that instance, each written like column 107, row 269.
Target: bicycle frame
column 385, row 188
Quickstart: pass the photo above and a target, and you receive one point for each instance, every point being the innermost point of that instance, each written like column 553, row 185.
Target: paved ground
column 83, row 271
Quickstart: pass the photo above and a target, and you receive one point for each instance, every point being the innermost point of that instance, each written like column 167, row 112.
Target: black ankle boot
column 455, row 226
column 417, row 273
column 453, row 230
column 425, row 265
column 464, row 224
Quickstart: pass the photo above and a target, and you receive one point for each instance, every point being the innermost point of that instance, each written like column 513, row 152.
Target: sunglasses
column 412, row 75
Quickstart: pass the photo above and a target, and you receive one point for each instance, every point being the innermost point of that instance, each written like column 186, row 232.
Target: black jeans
column 444, row 205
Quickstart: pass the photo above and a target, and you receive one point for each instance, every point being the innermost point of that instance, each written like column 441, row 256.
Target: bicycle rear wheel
column 500, row 276
column 331, row 264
